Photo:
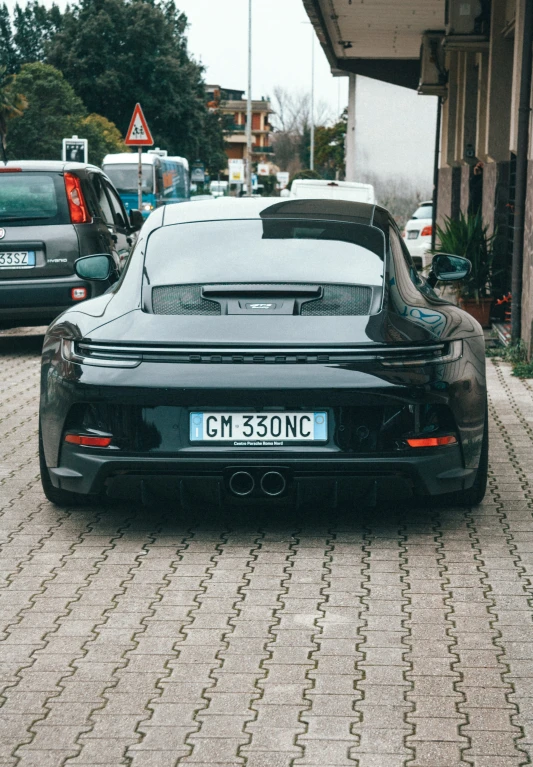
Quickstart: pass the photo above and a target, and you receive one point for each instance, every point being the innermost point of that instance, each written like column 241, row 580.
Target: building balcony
column 235, row 129
column 262, row 149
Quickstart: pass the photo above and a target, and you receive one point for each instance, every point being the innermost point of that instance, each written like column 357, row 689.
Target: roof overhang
column 376, row 38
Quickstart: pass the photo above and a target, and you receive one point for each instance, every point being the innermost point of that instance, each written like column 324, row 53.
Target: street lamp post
column 249, row 107
column 312, row 136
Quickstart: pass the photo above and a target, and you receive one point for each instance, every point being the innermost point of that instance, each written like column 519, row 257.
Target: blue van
column 165, row 180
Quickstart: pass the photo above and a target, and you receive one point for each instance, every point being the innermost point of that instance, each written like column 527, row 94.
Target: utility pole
column 350, row 129
column 312, row 136
column 249, row 107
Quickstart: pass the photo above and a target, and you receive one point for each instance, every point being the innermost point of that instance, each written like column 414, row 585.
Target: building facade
column 232, row 106
column 475, row 57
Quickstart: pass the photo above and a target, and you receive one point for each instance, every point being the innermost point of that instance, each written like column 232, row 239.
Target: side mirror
column 448, row 268
column 98, row 268
column 136, row 219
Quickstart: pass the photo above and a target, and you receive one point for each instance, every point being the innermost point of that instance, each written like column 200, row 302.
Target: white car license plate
column 17, row 259
column 412, row 235
column 256, row 429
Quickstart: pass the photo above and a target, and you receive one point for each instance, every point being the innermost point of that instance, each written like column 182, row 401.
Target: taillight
column 10, row 170
column 87, row 440
column 78, row 294
column 432, row 441
column 76, row 204
column 427, row 231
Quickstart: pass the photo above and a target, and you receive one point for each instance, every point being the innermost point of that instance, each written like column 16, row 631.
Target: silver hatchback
column 51, row 214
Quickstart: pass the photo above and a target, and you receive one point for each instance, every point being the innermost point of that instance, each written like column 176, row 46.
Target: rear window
column 425, row 211
column 268, row 250
column 29, row 197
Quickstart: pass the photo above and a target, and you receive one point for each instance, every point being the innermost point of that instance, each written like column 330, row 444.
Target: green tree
column 34, row 26
column 329, row 147
column 54, row 112
column 8, row 53
column 103, row 136
column 12, row 104
column 118, row 52
column 305, row 174
column 211, row 144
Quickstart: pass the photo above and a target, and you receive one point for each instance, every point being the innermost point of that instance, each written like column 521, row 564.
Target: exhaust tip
column 241, row 483
column 273, row 483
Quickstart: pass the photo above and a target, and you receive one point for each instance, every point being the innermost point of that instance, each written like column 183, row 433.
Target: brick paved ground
column 404, row 638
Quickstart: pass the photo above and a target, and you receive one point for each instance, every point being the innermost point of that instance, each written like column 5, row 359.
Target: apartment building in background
column 232, row 106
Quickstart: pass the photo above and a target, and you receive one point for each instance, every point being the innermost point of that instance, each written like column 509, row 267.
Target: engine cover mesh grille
column 336, row 301
column 182, row 299
column 340, row 301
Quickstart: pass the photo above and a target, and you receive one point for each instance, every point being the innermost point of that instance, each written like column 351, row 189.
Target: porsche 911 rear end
column 264, row 359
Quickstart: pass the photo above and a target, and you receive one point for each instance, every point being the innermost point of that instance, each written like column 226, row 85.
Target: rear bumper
column 39, row 299
column 91, row 471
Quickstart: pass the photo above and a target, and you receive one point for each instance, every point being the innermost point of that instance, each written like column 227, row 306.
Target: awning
column 375, row 38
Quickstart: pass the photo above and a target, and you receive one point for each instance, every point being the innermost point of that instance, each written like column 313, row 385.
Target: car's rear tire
column 54, row 494
column 475, row 494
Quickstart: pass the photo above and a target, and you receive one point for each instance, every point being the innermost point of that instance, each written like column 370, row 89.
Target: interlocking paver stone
column 398, row 639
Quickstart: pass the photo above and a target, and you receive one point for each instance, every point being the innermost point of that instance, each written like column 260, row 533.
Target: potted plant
column 468, row 237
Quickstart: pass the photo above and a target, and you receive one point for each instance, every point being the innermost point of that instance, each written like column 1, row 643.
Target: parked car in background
column 219, row 188
column 165, row 180
column 51, row 213
column 351, row 191
column 417, row 235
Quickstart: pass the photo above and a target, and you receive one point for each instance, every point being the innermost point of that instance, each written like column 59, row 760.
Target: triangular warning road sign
column 138, row 133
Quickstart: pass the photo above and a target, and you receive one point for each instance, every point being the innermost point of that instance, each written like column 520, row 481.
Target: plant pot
column 480, row 310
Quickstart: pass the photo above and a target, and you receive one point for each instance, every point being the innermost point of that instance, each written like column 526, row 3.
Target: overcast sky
column 395, row 126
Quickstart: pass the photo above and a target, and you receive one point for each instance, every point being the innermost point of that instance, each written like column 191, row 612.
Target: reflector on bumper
column 432, row 441
column 88, row 441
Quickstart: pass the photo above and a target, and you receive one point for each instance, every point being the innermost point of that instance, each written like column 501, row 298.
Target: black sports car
column 261, row 349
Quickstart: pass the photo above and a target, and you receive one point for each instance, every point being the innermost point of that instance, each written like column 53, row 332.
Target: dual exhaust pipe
column 271, row 483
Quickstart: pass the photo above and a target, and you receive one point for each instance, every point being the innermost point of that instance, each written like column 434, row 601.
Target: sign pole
column 140, row 180
column 139, row 135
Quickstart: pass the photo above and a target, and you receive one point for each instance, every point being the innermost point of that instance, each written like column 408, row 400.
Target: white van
column 219, row 188
column 318, row 189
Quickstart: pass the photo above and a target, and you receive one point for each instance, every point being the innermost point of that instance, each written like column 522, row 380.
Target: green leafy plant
column 467, row 236
column 517, row 355
column 12, row 104
column 523, row 370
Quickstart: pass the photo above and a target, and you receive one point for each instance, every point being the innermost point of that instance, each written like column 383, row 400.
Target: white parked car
column 318, row 189
column 417, row 235
column 219, row 188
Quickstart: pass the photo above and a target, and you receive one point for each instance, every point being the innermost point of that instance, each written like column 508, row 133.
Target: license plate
column 412, row 235
column 17, row 259
column 257, row 429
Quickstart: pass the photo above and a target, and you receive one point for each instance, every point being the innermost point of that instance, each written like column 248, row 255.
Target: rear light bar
column 76, row 202
column 427, row 231
column 72, row 354
column 426, row 356
column 10, row 170
column 87, row 440
column 432, row 441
